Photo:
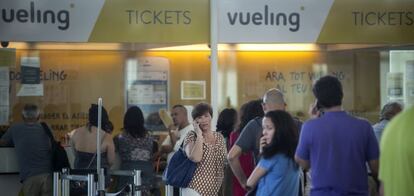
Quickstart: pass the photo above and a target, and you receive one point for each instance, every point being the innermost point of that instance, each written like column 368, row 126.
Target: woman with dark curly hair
column 277, row 173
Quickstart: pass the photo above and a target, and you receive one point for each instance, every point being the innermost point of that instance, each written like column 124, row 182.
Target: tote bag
column 180, row 170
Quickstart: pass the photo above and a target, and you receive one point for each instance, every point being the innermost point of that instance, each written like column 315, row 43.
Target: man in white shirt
column 177, row 132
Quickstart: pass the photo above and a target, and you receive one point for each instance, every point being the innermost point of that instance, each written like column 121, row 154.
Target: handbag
column 180, row 169
column 59, row 157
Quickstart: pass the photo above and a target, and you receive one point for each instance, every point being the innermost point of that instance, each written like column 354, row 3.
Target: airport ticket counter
column 155, row 54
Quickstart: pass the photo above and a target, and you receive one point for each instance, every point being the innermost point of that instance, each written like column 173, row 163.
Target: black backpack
column 59, row 157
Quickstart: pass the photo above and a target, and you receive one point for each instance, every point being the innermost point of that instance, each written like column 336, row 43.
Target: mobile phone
column 316, row 109
column 319, row 108
column 318, row 105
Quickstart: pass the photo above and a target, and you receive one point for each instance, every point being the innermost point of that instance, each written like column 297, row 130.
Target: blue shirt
column 379, row 128
column 338, row 147
column 249, row 138
column 281, row 178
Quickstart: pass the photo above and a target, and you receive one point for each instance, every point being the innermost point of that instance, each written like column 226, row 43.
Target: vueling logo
column 33, row 15
column 265, row 18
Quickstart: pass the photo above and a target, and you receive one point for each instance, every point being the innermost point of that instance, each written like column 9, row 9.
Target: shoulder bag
column 180, row 170
column 59, row 157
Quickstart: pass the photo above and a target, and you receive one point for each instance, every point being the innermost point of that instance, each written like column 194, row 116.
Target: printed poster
column 395, row 84
column 409, row 83
column 30, row 73
column 7, row 60
column 193, row 90
column 147, row 88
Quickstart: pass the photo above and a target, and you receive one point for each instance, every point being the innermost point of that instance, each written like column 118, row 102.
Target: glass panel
column 400, row 79
column 245, row 75
column 74, row 79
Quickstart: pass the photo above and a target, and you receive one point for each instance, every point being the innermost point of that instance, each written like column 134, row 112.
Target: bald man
column 249, row 138
column 177, row 132
column 176, row 135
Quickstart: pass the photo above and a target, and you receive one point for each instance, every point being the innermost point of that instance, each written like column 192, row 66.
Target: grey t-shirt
column 250, row 136
column 32, row 147
column 249, row 139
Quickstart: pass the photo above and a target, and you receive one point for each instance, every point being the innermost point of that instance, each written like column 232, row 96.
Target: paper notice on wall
column 146, row 94
column 153, row 75
column 409, row 83
column 147, row 87
column 193, row 90
column 30, row 90
column 30, row 77
column 4, row 95
column 395, row 84
column 409, row 97
column 7, row 60
column 409, row 71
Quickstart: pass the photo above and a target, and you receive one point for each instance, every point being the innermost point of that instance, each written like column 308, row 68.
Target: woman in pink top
column 248, row 111
column 227, row 121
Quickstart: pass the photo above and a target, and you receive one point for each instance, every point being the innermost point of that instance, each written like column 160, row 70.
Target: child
column 277, row 173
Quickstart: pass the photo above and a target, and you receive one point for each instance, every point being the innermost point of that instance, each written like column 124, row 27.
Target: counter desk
column 9, row 172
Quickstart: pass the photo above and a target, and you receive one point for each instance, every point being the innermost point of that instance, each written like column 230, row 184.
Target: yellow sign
column 369, row 21
column 153, row 21
column 193, row 90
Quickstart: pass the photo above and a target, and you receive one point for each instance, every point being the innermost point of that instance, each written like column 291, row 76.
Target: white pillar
column 101, row 185
column 214, row 59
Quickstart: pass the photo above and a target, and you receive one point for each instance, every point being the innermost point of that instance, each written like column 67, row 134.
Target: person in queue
column 83, row 142
column 34, row 154
column 336, row 145
column 248, row 111
column 176, row 134
column 207, row 148
column 251, row 134
column 388, row 112
column 136, row 150
column 277, row 173
column 226, row 123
